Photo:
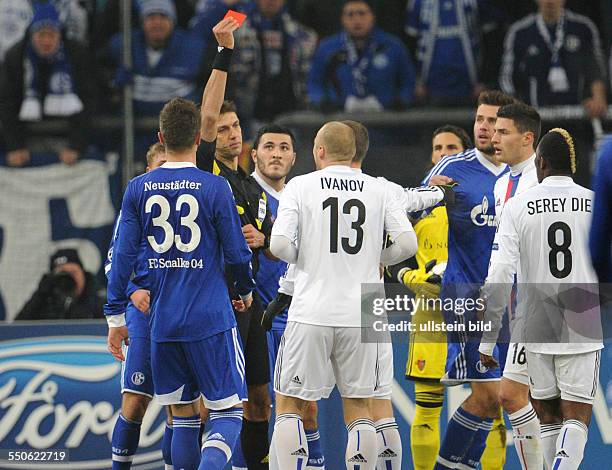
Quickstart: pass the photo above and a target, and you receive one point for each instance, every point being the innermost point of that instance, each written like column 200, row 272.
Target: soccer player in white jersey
column 517, row 131
column 337, row 217
column 544, row 234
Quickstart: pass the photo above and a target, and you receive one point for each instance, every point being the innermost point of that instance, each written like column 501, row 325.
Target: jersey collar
column 557, row 181
column 523, row 166
column 492, row 167
column 266, row 187
column 176, row 165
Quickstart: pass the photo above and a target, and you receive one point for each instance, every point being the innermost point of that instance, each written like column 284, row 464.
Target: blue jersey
column 471, row 220
column 137, row 321
column 191, row 227
column 270, row 271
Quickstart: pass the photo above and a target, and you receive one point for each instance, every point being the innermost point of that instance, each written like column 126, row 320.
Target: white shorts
column 384, row 364
column 515, row 368
column 571, row 377
column 304, row 356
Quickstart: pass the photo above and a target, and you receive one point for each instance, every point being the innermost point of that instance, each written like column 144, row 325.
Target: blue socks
column 185, row 448
column 238, row 460
column 167, row 445
column 464, row 440
column 219, row 445
column 126, row 435
column 315, row 455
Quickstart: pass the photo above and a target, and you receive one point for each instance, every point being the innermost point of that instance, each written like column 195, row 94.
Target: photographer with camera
column 67, row 292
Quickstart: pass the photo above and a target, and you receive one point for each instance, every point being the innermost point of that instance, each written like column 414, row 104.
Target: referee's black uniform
column 251, row 203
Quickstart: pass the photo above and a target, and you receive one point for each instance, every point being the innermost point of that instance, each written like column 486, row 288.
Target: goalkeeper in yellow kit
column 427, row 349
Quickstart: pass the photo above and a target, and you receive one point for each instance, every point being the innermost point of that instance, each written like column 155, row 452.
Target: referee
column 218, row 153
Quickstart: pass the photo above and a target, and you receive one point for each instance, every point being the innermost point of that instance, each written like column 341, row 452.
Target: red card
column 239, row 17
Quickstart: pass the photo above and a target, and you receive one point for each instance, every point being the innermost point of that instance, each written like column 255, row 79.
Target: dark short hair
column 557, row 148
column 179, row 123
column 369, row 3
column 456, row 130
column 525, row 117
column 494, row 98
column 362, row 139
column 228, row 106
column 273, row 129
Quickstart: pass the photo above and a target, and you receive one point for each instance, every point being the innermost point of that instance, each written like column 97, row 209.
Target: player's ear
column 254, row 155
column 198, row 138
column 160, row 137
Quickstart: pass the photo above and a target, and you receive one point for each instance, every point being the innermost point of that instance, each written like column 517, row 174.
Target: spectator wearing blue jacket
column 167, row 61
column 362, row 68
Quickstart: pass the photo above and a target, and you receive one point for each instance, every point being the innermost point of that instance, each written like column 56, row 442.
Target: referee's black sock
column 255, row 445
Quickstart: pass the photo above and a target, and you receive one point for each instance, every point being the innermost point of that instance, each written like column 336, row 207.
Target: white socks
column 289, row 446
column 570, row 445
column 527, row 440
column 361, row 449
column 389, row 445
column 549, row 434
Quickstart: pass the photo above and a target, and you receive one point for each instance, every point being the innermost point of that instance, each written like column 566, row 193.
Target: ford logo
column 63, row 393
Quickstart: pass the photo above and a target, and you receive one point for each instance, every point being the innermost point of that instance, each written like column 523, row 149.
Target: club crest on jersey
column 479, row 214
column 421, row 364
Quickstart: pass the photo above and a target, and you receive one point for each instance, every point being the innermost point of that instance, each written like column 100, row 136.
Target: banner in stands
column 59, row 389
column 44, row 208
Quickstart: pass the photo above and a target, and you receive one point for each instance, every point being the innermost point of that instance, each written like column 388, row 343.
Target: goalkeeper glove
column 423, row 282
column 449, row 193
column 275, row 308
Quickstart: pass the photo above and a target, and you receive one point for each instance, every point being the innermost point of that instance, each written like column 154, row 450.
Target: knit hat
column 164, row 7
column 45, row 16
column 66, row 255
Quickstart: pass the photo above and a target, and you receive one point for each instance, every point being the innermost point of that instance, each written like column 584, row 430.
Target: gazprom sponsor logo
column 63, row 392
column 479, row 214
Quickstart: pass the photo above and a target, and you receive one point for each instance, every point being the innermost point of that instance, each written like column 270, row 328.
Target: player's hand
column 253, row 237
column 17, row 157
column 439, row 180
column 116, row 337
column 242, row 305
column 141, row 298
column 481, row 308
column 224, row 32
column 275, row 308
column 418, row 281
column 68, row 156
column 449, row 193
column 488, row 361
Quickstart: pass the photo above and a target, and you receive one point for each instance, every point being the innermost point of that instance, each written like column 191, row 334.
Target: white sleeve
column 500, row 279
column 287, row 217
column 417, row 199
column 403, row 247
column 396, row 220
column 283, row 248
column 287, row 280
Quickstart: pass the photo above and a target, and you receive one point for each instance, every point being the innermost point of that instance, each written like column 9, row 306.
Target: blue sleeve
column 125, row 251
column 315, row 84
column 108, row 262
column 601, row 227
column 406, row 74
column 236, row 253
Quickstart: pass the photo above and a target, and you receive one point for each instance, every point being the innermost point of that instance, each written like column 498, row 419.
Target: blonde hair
column 154, row 151
column 570, row 144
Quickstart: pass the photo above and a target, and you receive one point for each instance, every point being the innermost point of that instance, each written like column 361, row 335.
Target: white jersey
column 336, row 216
column 545, row 231
column 415, row 199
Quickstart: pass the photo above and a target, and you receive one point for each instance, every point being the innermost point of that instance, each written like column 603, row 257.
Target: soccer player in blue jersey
column 136, row 377
column 472, row 226
column 192, row 230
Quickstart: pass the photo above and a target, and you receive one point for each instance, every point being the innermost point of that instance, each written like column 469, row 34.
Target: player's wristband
column 486, row 348
column 115, row 321
column 223, row 59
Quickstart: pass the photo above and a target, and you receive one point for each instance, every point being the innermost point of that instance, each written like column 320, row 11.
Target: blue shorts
column 136, row 376
column 212, row 368
column 274, row 340
column 463, row 364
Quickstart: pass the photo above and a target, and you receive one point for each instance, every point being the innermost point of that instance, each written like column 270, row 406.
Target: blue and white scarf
column 61, row 99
